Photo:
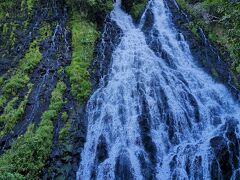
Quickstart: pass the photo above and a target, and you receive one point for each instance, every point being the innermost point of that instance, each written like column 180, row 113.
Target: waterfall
column 158, row 114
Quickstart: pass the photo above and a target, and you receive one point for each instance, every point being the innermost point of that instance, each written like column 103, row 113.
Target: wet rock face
column 55, row 54
column 111, row 36
column 202, row 50
column 149, row 160
column 4, row 65
column 123, row 167
column 221, row 164
column 127, row 5
column 226, row 152
column 149, row 21
column 102, row 151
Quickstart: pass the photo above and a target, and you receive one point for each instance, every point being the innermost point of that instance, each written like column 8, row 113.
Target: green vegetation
column 134, row 7
column 30, row 4
column 28, row 153
column 102, row 5
column 12, row 113
column 13, row 23
column 238, row 69
column 45, row 30
column 1, row 80
column 138, row 8
column 221, row 20
column 84, row 36
column 64, row 116
column 92, row 6
column 21, row 76
column 64, row 132
column 9, row 33
column 5, row 6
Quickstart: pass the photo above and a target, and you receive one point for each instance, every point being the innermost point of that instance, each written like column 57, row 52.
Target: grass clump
column 84, row 36
column 12, row 86
column 28, row 153
column 65, row 130
column 20, row 77
column 12, row 113
column 30, row 4
column 64, row 116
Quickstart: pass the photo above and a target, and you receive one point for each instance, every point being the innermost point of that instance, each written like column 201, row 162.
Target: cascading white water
column 151, row 118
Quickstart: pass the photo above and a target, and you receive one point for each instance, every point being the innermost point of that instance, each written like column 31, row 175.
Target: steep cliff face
column 219, row 19
column 46, row 51
column 49, row 65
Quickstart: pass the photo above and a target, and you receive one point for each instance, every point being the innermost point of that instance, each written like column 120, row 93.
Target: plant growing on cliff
column 92, row 6
column 138, row 8
column 84, row 36
column 13, row 112
column 220, row 19
column 28, row 153
column 20, row 77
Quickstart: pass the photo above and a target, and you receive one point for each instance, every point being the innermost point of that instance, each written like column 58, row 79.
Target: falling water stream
column 156, row 117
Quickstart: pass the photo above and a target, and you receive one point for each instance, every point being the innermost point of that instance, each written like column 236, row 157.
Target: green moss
column 9, row 33
column 28, row 153
column 103, row 5
column 64, row 132
column 13, row 85
column 30, row 4
column 238, row 69
column 221, row 22
column 31, row 58
column 11, row 176
column 220, row 19
column 138, row 8
column 12, row 114
column 60, row 71
column 21, row 76
column 6, row 7
column 5, row 29
column 22, row 5
column 45, row 30
column 193, row 27
column 1, row 80
column 3, row 100
column 84, row 36
column 92, row 6
column 64, row 116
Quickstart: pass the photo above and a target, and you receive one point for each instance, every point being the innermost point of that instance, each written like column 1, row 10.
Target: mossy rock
column 134, row 7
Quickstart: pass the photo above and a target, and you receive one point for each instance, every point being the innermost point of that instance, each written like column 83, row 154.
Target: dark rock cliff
column 39, row 34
